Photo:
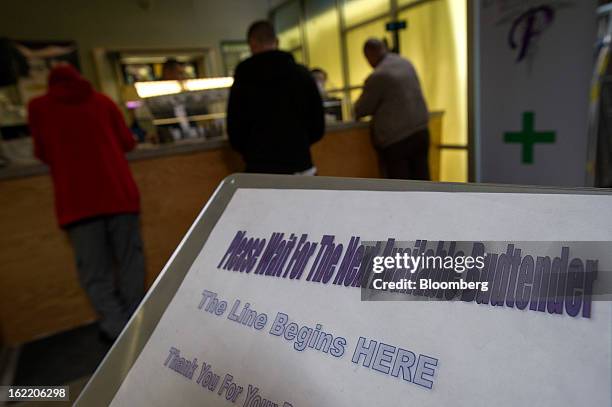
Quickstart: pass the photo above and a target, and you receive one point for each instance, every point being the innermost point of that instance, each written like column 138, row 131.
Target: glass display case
column 184, row 116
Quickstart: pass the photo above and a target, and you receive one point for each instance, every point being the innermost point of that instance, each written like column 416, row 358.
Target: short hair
column 319, row 70
column 375, row 44
column 171, row 63
column 262, row 31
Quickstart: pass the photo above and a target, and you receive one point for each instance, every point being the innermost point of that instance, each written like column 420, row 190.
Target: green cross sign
column 528, row 137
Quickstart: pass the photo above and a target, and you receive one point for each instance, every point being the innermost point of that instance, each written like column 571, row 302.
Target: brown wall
column 39, row 292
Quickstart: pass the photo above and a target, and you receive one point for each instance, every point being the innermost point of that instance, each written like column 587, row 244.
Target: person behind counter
column 82, row 136
column 320, row 78
column 331, row 105
column 172, row 70
column 392, row 95
column 275, row 111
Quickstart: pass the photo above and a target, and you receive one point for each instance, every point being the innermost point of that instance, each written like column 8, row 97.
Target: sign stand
column 109, row 376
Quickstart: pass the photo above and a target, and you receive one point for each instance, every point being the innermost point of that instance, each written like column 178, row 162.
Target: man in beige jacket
column 392, row 96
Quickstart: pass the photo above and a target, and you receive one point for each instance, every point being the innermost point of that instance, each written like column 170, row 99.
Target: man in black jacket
column 275, row 110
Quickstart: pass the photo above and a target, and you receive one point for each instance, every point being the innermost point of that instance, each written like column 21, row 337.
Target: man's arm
column 314, row 111
column 35, row 131
column 370, row 97
column 236, row 123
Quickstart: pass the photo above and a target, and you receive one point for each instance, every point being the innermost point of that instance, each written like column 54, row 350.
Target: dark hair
column 375, row 44
column 319, row 70
column 261, row 31
column 171, row 63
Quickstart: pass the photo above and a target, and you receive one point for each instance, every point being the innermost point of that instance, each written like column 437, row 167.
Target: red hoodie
column 81, row 135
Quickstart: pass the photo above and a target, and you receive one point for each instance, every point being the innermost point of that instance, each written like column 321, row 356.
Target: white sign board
column 207, row 350
column 534, row 61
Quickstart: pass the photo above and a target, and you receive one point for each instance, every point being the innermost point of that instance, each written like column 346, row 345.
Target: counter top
column 142, row 152
column 148, row 151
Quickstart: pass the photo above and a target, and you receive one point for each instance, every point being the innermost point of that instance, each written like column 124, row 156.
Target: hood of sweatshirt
column 67, row 85
column 268, row 65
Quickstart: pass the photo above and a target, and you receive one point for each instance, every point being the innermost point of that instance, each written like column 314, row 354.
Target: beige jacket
column 392, row 96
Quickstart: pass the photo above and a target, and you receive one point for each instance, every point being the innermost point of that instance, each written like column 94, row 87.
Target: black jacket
column 274, row 113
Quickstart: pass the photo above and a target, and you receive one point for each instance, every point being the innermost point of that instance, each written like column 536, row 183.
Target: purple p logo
column 526, row 27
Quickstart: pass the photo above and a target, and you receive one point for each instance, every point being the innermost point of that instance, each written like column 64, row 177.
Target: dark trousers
column 407, row 159
column 110, row 265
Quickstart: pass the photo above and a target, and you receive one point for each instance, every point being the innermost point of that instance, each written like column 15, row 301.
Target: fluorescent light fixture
column 157, row 88
column 208, row 83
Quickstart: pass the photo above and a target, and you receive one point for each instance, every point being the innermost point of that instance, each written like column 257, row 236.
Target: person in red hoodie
column 82, row 136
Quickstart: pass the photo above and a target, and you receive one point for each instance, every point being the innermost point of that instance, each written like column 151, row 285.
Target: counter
column 39, row 291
